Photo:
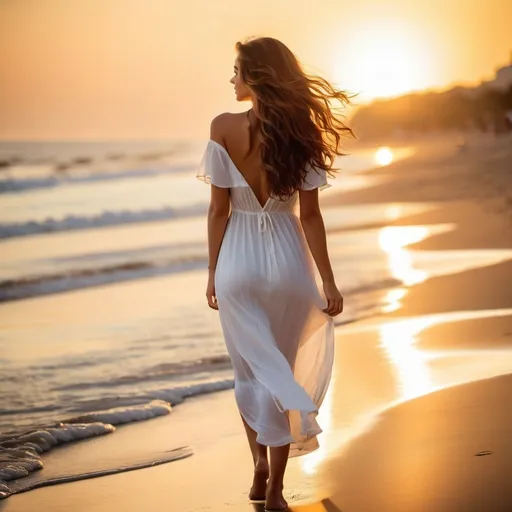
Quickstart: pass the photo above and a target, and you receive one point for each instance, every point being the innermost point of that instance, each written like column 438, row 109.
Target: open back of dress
column 279, row 340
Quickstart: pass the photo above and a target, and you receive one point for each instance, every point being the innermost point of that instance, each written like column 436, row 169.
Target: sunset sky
column 113, row 69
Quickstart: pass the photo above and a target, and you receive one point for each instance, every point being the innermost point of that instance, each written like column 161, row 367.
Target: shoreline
column 355, row 416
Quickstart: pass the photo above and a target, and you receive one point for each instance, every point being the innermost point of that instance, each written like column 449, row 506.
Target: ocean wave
column 81, row 408
column 73, row 222
column 20, row 454
column 20, row 451
column 24, row 287
column 8, row 185
column 161, row 371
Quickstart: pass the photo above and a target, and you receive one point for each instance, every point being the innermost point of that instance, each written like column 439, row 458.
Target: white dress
column 279, row 340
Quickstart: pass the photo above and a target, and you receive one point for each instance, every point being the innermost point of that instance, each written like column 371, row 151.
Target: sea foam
column 20, row 452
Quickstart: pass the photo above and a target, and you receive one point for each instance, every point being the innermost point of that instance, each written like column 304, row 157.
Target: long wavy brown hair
column 298, row 122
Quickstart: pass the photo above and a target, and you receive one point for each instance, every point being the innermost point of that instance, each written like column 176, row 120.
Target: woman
column 277, row 327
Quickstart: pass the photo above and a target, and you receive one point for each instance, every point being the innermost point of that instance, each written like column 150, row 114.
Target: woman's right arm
column 218, row 216
column 314, row 230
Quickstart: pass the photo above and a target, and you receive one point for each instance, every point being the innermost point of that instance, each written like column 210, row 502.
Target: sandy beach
column 418, row 414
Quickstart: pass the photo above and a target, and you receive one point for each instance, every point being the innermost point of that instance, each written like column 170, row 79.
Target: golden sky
column 96, row 69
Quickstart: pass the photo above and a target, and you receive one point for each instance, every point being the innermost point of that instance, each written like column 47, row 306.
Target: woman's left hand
column 210, row 291
column 334, row 299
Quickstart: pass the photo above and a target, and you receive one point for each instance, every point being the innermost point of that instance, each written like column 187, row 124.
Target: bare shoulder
column 224, row 124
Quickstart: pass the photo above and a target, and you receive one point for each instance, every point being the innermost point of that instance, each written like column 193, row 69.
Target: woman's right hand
column 334, row 299
column 210, row 291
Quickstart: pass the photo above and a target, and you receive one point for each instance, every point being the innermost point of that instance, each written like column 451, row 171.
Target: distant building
column 501, row 82
column 508, row 121
column 503, row 78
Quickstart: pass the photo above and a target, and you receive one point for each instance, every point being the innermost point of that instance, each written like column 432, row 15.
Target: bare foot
column 259, row 482
column 275, row 500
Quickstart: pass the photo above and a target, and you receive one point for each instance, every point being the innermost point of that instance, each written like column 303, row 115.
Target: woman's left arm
column 314, row 231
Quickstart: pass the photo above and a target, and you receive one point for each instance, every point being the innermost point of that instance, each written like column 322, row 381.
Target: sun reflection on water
column 384, row 156
column 398, row 340
column 393, row 298
column 392, row 240
column 412, row 366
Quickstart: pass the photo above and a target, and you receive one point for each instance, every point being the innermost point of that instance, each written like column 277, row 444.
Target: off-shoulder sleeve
column 217, row 168
column 315, row 178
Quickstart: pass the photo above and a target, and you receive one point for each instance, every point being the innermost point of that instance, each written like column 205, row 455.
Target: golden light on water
column 384, row 156
column 415, row 368
column 393, row 240
column 393, row 299
column 399, row 339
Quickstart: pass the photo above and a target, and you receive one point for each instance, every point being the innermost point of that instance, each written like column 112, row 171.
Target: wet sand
column 416, row 394
column 447, row 451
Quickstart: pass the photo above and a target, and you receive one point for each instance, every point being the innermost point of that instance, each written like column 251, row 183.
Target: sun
column 384, row 58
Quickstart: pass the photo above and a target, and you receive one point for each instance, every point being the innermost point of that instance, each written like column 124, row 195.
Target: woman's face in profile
column 241, row 90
